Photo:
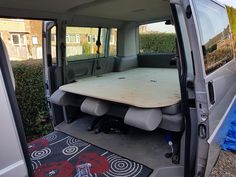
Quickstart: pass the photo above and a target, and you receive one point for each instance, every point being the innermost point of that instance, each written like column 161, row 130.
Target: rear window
column 157, row 38
column 215, row 32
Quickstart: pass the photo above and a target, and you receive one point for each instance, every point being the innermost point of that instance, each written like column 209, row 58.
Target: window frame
column 20, row 37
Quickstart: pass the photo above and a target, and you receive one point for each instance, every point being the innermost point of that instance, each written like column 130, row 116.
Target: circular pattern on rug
column 99, row 163
column 50, row 137
column 55, row 169
column 70, row 150
column 75, row 142
column 37, row 145
column 122, row 167
column 35, row 164
column 40, row 154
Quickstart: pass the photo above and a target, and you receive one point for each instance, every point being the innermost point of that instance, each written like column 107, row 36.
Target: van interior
column 124, row 100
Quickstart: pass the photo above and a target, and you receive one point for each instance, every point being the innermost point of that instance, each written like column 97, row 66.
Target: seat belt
column 98, row 44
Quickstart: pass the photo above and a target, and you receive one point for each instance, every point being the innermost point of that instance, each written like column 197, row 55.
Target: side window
column 216, row 37
column 53, row 44
column 81, row 43
column 157, row 38
column 232, row 19
column 113, row 42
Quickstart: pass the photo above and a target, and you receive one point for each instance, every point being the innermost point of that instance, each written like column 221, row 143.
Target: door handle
column 211, row 92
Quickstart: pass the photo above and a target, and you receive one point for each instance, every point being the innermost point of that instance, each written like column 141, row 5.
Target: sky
column 231, row 3
column 161, row 27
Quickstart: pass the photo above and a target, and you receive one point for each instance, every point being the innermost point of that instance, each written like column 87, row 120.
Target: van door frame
column 204, row 108
column 50, row 68
column 187, row 94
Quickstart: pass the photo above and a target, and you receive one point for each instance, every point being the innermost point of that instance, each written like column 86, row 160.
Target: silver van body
column 207, row 88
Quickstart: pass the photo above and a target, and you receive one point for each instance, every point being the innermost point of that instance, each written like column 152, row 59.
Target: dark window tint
column 216, row 38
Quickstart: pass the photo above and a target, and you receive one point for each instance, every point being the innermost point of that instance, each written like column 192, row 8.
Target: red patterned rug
column 61, row 155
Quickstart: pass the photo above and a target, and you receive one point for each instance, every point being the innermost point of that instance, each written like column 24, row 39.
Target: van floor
column 147, row 148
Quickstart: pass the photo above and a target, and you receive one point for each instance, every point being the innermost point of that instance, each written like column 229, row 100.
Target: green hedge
column 157, row 43
column 30, row 96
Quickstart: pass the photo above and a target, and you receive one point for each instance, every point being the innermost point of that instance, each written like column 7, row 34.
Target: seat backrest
column 125, row 63
column 4, row 53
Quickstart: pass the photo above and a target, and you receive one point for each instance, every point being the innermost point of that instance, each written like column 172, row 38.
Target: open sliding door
column 213, row 84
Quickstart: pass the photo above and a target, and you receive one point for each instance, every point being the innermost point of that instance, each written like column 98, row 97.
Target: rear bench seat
column 168, row 118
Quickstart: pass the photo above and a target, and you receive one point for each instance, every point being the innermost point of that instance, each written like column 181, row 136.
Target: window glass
column 15, row 39
column 81, row 43
column 53, row 44
column 157, row 38
column 215, row 34
column 18, row 39
column 232, row 19
column 113, row 42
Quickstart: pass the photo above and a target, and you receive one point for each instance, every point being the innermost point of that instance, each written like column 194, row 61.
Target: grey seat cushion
column 146, row 119
column 171, row 110
column 95, row 106
column 173, row 123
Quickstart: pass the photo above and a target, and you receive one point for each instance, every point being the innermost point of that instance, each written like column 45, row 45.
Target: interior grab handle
column 211, row 92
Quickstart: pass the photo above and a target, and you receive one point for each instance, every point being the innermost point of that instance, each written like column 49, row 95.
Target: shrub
column 30, row 96
column 157, row 42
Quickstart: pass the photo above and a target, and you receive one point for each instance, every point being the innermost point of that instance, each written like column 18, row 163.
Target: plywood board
column 140, row 87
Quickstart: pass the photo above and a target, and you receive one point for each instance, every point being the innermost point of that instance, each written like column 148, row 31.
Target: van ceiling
column 125, row 10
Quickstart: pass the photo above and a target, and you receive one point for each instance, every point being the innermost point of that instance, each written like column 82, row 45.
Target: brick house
column 23, row 38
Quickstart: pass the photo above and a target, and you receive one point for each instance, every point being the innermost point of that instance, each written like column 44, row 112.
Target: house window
column 72, row 38
column 78, row 38
column 35, row 40
column 15, row 39
column 18, row 39
column 89, row 38
column 67, row 38
column 92, row 38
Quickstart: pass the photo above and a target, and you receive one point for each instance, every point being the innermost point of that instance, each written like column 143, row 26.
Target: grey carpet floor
column 144, row 147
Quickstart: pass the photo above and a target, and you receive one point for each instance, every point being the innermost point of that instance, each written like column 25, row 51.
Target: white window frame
column 67, row 38
column 77, row 38
column 12, row 41
column 20, row 41
column 92, row 38
column 35, row 40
